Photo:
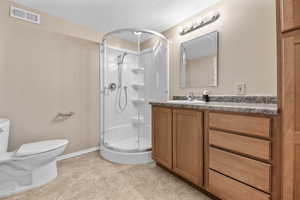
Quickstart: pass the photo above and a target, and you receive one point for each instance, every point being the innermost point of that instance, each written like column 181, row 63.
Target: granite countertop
column 253, row 108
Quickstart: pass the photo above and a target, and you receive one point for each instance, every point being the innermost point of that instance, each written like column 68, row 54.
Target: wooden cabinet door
column 291, row 117
column 290, row 14
column 188, row 144
column 162, row 136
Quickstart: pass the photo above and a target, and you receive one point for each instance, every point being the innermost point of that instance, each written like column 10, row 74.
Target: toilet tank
column 4, row 135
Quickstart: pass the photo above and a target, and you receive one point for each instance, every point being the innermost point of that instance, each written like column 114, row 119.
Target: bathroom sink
column 186, row 102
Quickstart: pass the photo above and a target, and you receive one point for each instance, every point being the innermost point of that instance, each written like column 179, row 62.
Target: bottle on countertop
column 205, row 95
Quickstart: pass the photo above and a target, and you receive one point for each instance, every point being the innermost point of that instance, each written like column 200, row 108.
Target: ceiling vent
column 25, row 15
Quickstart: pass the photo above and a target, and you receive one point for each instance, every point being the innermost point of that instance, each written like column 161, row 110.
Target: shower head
column 121, row 58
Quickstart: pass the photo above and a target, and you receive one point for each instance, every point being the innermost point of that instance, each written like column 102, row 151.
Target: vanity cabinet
column 233, row 156
column 188, row 144
column 178, row 141
column 162, row 136
column 290, row 14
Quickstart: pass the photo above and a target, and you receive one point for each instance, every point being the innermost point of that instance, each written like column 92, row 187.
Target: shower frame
column 103, row 57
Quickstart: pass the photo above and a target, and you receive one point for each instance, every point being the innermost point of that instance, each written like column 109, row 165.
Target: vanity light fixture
column 200, row 23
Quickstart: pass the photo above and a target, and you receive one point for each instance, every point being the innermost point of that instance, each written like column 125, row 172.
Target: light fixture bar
column 203, row 22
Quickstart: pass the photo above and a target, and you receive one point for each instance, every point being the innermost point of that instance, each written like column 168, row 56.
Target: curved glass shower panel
column 154, row 58
column 133, row 72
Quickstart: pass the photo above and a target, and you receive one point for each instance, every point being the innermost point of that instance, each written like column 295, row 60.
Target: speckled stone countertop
column 236, row 98
column 253, row 108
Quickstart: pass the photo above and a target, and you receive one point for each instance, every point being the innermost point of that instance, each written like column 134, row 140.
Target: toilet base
column 40, row 176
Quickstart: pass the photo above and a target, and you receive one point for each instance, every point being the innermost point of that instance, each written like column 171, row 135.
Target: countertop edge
column 226, row 108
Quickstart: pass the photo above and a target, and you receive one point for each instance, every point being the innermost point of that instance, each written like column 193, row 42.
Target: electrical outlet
column 241, row 88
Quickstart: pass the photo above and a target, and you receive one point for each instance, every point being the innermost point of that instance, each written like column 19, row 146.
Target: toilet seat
column 39, row 147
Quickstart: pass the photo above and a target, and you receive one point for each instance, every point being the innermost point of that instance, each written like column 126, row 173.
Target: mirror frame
column 182, row 70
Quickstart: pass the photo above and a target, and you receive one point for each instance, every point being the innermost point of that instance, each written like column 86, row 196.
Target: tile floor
column 91, row 178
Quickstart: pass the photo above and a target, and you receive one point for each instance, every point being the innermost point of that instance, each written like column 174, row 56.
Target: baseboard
column 78, row 153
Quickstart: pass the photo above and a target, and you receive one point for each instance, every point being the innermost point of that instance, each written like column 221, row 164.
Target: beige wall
column 46, row 69
column 247, row 47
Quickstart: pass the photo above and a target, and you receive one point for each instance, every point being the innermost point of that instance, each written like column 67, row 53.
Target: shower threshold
column 130, row 145
column 122, row 157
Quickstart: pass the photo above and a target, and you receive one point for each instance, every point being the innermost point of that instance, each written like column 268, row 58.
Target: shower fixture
column 120, row 87
column 121, row 58
column 112, row 87
column 130, row 78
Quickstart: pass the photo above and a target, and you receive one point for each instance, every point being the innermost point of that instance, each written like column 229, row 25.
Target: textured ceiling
column 108, row 15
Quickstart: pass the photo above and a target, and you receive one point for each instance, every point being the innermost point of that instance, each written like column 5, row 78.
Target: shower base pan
column 129, row 145
column 132, row 158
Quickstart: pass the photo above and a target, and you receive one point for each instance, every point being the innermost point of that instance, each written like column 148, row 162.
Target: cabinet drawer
column 228, row 189
column 242, row 144
column 257, row 126
column 249, row 171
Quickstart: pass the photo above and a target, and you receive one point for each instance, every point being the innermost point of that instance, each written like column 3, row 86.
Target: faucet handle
column 191, row 96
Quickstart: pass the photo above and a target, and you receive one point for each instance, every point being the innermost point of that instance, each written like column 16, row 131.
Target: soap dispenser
column 205, row 95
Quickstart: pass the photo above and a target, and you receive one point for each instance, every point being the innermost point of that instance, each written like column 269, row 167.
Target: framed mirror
column 199, row 62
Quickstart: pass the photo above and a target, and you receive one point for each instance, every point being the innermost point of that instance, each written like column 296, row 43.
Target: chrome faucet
column 191, row 96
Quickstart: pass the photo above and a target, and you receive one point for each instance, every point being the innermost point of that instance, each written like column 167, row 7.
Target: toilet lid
column 40, row 147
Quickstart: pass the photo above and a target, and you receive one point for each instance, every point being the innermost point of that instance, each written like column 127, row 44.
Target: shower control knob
column 112, row 86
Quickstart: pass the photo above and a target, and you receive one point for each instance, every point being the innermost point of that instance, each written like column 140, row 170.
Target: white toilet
column 32, row 165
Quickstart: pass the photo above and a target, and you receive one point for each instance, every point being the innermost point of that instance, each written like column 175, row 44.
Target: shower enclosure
column 134, row 71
